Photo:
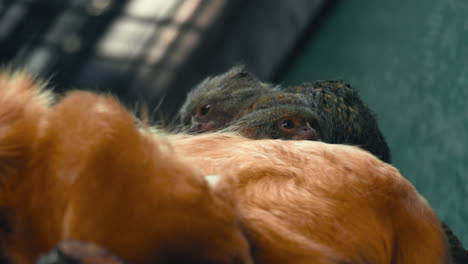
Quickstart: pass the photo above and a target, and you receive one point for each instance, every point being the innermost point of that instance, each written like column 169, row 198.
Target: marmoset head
column 293, row 122
column 218, row 100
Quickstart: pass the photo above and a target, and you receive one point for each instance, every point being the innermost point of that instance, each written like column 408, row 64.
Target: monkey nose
column 306, row 133
column 201, row 127
column 196, row 127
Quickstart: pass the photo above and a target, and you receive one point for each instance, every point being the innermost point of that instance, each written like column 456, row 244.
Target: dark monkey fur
column 346, row 118
column 218, row 100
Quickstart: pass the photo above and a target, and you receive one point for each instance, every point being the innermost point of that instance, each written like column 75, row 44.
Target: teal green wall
column 409, row 60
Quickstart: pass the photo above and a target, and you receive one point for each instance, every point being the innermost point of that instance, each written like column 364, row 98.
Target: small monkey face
column 202, row 119
column 289, row 122
column 296, row 129
column 215, row 102
column 205, row 118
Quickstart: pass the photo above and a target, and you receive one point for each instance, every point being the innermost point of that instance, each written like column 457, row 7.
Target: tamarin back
column 311, row 202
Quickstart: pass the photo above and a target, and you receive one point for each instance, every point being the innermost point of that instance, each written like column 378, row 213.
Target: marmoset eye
column 204, row 110
column 287, row 124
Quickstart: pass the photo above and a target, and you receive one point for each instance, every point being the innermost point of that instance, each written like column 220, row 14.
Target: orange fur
column 82, row 169
column 92, row 175
column 302, row 199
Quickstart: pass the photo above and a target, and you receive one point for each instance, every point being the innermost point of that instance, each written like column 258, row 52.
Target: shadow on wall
column 142, row 50
column 103, row 45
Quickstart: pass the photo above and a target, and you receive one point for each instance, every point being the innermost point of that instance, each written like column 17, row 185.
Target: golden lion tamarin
column 81, row 169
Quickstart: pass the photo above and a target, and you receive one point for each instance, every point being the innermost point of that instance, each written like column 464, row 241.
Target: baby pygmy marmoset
column 218, row 100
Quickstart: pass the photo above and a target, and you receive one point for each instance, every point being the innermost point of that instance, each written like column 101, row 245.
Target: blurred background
column 408, row 59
